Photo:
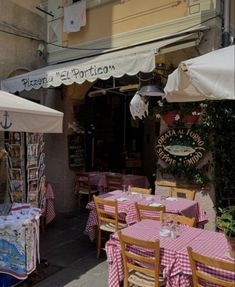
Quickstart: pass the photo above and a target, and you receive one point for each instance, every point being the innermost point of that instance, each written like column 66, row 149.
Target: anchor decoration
column 6, row 125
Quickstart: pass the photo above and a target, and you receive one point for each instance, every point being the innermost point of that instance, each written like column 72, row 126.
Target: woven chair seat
column 87, row 191
column 110, row 227
column 142, row 280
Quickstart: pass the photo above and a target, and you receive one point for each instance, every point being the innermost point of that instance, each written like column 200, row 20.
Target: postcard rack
column 26, row 168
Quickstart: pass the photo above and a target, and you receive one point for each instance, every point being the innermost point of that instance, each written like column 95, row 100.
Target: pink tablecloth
column 49, row 209
column 98, row 179
column 182, row 206
column 211, row 244
column 174, row 258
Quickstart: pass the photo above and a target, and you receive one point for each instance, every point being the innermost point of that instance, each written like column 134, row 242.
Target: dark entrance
column 114, row 141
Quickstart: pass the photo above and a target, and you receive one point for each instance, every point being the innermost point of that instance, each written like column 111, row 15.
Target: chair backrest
column 107, row 211
column 114, row 182
column 148, row 265
column 82, row 181
column 183, row 192
column 149, row 212
column 179, row 219
column 199, row 275
column 140, row 190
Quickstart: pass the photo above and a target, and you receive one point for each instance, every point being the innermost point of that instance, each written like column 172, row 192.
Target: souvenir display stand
column 16, row 173
column 26, row 167
column 19, row 220
column 19, row 227
column 19, row 243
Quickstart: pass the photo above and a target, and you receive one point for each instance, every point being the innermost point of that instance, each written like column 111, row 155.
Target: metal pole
column 124, row 125
column 92, row 152
column 226, row 34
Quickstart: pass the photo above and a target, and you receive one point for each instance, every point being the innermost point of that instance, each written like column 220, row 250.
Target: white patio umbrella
column 18, row 114
column 207, row 77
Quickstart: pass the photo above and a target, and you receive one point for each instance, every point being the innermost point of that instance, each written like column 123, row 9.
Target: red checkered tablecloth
column 174, row 257
column 98, row 179
column 148, row 230
column 211, row 244
column 49, row 208
column 181, row 206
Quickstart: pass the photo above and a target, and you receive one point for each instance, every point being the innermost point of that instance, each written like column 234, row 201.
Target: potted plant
column 226, row 222
column 190, row 112
column 168, row 111
column 178, row 112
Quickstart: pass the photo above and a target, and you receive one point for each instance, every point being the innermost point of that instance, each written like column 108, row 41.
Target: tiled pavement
column 71, row 256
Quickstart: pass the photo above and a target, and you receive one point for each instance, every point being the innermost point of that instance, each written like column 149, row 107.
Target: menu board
column 76, row 147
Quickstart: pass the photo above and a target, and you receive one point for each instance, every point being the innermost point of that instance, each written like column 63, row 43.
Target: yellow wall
column 116, row 18
column 124, row 23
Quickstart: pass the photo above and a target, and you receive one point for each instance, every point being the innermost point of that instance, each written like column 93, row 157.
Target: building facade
column 174, row 30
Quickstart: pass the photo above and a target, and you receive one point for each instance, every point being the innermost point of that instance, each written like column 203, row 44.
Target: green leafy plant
column 226, row 220
column 190, row 108
column 218, row 119
column 193, row 175
column 161, row 107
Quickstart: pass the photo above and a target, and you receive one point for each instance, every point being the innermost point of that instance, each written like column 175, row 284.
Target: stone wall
column 19, row 24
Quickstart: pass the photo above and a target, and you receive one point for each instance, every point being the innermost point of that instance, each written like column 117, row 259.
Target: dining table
column 98, row 179
column 174, row 259
column 126, row 208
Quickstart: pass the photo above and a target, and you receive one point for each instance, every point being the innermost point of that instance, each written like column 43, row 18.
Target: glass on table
column 178, row 229
column 168, row 220
column 124, row 189
column 163, row 197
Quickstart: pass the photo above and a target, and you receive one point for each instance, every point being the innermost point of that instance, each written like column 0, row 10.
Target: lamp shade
column 151, row 90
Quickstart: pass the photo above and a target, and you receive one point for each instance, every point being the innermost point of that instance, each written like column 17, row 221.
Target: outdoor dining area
column 152, row 239
column 156, row 238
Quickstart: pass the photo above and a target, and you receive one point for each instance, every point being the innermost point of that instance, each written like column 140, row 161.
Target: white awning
column 18, row 114
column 116, row 64
column 207, row 77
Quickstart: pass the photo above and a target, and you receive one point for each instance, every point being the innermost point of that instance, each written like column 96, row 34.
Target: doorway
column 114, row 140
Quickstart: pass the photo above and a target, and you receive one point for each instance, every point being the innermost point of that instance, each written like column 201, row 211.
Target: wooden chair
column 167, row 185
column 183, row 192
column 114, row 182
column 83, row 187
column 140, row 270
column 140, row 190
column 179, row 219
column 107, row 214
column 149, row 212
column 209, row 262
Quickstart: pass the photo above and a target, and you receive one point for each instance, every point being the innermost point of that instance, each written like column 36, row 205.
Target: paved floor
column 71, row 256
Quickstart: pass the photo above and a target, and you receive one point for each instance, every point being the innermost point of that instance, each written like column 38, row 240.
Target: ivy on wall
column 219, row 120
column 190, row 174
column 217, row 125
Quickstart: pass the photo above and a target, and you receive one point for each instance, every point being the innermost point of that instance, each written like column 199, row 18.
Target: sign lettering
column 180, row 145
column 68, row 75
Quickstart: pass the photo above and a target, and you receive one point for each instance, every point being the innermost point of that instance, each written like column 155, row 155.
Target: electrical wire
column 95, row 49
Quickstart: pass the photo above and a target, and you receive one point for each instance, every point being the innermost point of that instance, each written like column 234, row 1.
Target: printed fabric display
column 19, row 241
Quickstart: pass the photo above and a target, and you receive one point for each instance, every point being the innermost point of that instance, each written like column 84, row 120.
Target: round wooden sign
column 180, row 146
